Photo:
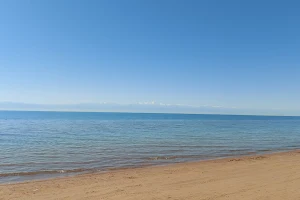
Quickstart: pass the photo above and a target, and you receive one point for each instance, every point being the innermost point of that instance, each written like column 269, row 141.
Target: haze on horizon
column 193, row 56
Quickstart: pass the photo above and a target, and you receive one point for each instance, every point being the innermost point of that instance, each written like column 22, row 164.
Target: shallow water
column 47, row 144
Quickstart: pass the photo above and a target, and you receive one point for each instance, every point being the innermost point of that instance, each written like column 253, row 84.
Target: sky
column 219, row 54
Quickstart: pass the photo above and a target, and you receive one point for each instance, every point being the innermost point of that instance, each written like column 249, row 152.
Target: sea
column 39, row 145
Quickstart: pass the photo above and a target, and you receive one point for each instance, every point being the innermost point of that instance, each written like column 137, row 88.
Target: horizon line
column 175, row 113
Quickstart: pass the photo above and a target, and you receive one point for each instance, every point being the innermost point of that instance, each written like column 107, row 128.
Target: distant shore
column 270, row 176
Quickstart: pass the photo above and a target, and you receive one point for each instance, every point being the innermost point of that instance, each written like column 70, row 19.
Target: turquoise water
column 47, row 144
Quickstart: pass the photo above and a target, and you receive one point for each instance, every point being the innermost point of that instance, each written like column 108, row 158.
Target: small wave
column 42, row 172
column 174, row 157
column 264, row 150
column 45, row 163
column 239, row 150
column 187, row 146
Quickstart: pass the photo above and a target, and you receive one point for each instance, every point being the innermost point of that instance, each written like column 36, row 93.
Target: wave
column 174, row 157
column 187, row 146
column 226, row 153
column 42, row 172
column 45, row 163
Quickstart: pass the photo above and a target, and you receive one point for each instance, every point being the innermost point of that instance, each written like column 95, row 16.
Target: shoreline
column 216, row 176
column 58, row 175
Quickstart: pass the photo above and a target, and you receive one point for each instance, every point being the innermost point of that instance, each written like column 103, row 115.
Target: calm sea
column 47, row 144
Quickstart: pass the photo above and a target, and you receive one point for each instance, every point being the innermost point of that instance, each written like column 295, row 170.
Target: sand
column 275, row 176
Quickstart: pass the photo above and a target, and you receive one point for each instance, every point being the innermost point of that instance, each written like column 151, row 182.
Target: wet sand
column 275, row 177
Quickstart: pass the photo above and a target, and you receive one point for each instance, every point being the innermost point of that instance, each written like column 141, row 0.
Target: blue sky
column 232, row 54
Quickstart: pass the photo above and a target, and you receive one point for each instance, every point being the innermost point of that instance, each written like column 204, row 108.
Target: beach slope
column 275, row 176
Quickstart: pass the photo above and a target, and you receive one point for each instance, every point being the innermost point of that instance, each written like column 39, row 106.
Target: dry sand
column 273, row 177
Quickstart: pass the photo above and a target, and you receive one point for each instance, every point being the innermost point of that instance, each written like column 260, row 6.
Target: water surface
column 47, row 144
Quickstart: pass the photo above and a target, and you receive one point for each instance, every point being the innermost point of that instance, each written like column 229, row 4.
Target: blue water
column 47, row 144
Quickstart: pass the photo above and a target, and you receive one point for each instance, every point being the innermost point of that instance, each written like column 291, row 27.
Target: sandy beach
column 274, row 176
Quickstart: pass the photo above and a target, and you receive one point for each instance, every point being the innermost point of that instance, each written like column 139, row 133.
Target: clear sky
column 243, row 54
